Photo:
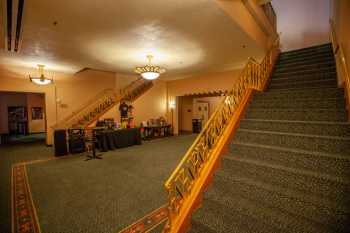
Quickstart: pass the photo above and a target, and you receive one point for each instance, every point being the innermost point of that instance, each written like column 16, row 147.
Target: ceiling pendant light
column 149, row 72
column 41, row 80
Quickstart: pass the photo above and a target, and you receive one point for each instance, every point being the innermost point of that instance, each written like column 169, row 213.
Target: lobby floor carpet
column 73, row 195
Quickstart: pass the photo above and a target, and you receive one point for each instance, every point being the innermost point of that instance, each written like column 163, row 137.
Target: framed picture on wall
column 37, row 113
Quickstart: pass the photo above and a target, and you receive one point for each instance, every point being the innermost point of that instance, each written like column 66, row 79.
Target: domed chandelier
column 149, row 72
column 41, row 79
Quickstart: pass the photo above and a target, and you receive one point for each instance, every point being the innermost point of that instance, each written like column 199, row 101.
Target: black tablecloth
column 111, row 139
column 157, row 131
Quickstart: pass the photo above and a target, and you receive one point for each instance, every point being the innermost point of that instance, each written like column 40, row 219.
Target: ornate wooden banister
column 194, row 172
column 341, row 59
column 102, row 102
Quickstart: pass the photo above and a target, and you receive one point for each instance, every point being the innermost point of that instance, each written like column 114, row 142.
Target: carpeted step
column 304, row 77
column 327, row 128
column 327, row 144
column 305, row 54
column 197, row 227
column 287, row 74
column 220, row 197
column 305, row 84
column 318, row 48
column 331, row 164
column 302, row 62
column 323, row 186
column 299, row 103
column 295, row 203
column 305, row 60
column 312, row 66
column 315, row 57
column 297, row 114
column 222, row 216
column 300, row 93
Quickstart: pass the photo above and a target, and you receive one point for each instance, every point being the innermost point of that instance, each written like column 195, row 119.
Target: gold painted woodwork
column 196, row 169
column 341, row 59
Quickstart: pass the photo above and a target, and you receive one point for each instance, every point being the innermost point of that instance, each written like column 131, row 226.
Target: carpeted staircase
column 288, row 167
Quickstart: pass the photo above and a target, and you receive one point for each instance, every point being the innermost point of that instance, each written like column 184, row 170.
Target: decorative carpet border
column 148, row 222
column 25, row 218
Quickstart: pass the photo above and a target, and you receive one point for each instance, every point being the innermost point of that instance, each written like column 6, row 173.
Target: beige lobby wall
column 80, row 88
column 72, row 90
column 341, row 17
column 152, row 104
column 185, row 113
column 248, row 23
column 35, row 100
column 204, row 83
column 302, row 23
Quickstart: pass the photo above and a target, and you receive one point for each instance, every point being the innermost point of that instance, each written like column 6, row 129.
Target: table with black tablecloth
column 157, row 131
column 113, row 139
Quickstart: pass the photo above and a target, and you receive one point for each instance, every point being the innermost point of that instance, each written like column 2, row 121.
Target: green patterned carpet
column 72, row 195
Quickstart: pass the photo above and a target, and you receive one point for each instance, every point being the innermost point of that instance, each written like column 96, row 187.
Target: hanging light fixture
column 41, row 80
column 149, row 71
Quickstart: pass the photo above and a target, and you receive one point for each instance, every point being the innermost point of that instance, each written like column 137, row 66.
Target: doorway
column 22, row 117
column 195, row 110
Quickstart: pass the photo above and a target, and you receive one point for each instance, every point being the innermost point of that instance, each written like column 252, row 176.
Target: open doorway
column 195, row 111
column 22, row 117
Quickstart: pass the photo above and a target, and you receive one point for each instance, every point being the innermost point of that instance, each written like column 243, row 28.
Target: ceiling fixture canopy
column 41, row 79
column 149, row 71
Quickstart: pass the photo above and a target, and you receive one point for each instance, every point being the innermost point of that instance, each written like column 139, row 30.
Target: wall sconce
column 172, row 104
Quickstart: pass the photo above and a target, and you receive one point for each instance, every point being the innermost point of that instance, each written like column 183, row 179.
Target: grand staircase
column 288, row 166
column 102, row 102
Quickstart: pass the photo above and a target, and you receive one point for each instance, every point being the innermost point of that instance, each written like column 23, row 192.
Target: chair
column 90, row 142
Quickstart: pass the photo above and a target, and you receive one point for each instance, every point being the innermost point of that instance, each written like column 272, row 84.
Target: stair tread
column 217, row 215
column 271, row 216
column 285, row 62
column 309, row 56
column 290, row 193
column 305, row 72
column 300, row 78
column 304, row 81
column 303, row 172
column 302, row 122
column 313, row 47
column 306, row 90
column 299, row 88
column 294, row 150
column 299, row 109
column 320, row 63
column 302, row 98
column 295, row 134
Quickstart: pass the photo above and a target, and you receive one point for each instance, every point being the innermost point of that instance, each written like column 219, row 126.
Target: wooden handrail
column 341, row 59
column 186, row 183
